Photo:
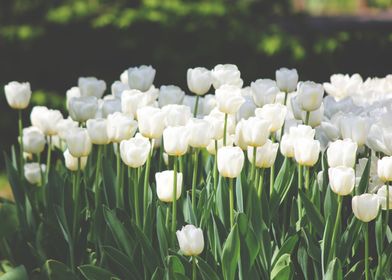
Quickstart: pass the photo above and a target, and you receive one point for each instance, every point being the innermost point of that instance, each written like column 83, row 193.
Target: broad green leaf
column 240, row 181
column 231, row 254
column 313, row 214
column 287, row 248
column 9, row 219
column 17, row 273
column 55, row 270
column 189, row 215
column 175, row 265
column 326, row 242
column 303, row 260
column 121, row 263
column 92, row 272
column 162, row 234
column 356, row 271
column 206, row 271
column 364, row 182
column 334, row 271
column 282, row 269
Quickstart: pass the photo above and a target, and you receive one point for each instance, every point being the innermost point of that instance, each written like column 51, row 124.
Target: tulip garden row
column 279, row 180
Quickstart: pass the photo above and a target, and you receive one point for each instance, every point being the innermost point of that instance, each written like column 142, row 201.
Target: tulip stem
column 194, row 179
column 272, row 169
column 366, row 251
column 146, row 180
column 97, row 173
column 252, row 172
column 231, row 197
column 196, row 106
column 387, row 209
column 167, row 217
column 40, row 168
column 299, row 202
column 307, row 117
column 135, row 193
column 261, row 180
column 118, row 174
column 174, row 210
column 335, row 228
column 48, row 159
column 76, row 199
column 20, row 126
column 216, row 165
column 194, row 271
column 224, row 130
column 307, row 178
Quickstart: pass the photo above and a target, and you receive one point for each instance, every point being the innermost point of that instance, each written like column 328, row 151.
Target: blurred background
column 50, row 43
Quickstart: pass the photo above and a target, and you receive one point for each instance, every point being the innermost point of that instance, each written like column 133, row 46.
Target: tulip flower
column 118, row 87
column 342, row 153
column 385, row 194
column 341, row 179
column 18, row 94
column 310, row 96
column 33, row 140
column 97, row 131
column 226, row 74
column 191, row 240
column 229, row 99
column 134, row 152
column 247, row 109
column 91, row 86
column 71, row 162
column 384, row 169
column 111, row 106
column 176, row 115
column 199, row 80
column 255, row 131
column 356, row 128
column 275, row 114
column 65, row 125
column 45, row 119
column 264, row 91
column 286, row 79
column 265, row 155
column 209, row 103
column 306, row 151
column 71, row 93
column 151, row 122
column 78, row 142
column 176, row 140
column 170, row 95
column 34, row 172
column 200, row 133
column 341, row 86
column 120, row 127
column 141, row 78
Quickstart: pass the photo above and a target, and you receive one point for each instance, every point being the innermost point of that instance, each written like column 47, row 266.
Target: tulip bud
column 365, row 206
column 306, row 151
column 33, row 140
column 264, row 91
column 341, row 179
column 141, row 77
column 71, row 162
column 384, row 169
column 45, row 119
column 176, row 140
column 18, row 94
column 211, row 147
column 199, row 80
column 111, row 106
column 151, row 122
column 310, row 96
column 247, row 109
column 83, row 108
column 229, row 99
column 191, row 240
column 239, row 136
column 265, row 155
column 33, row 172
column 97, row 131
column 230, row 161
column 356, row 128
column 78, row 142
column 118, row 87
column 200, row 133
column 132, row 100
column 71, row 93
column 209, row 103
column 176, row 115
column 342, row 153
column 170, row 95
column 91, row 86
column 64, row 125
column 286, row 79
column 120, row 127
column 165, row 181
column 382, row 195
column 275, row 114
column 226, row 74
column 315, row 117
column 255, row 131
column 134, row 152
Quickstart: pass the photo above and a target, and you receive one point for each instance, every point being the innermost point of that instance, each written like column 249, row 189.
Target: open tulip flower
column 215, row 180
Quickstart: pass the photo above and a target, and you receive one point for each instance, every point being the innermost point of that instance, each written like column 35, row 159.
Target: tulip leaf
column 9, row 219
column 231, row 254
column 189, row 215
column 238, row 190
column 283, row 268
column 92, row 272
column 175, row 265
column 349, row 237
column 364, row 182
column 162, row 233
column 334, row 271
column 326, row 241
column 312, row 245
column 222, row 201
column 356, row 271
column 206, row 271
column 17, row 273
column 121, row 263
column 55, row 270
column 312, row 213
column 287, row 247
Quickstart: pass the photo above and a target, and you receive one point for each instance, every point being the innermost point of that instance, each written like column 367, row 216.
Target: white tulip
column 356, row 128
column 306, row 151
column 97, row 130
column 342, row 153
column 176, row 140
column 111, row 106
column 64, row 125
column 217, row 120
column 134, row 152
column 286, row 79
column 275, row 114
column 255, row 131
column 226, row 74
column 199, row 80
column 71, row 93
column 118, row 87
column 365, row 206
column 18, row 94
column 33, row 140
column 230, row 161
column 310, row 96
column 331, row 130
column 384, row 169
column 264, row 91
column 78, row 142
column 176, row 115
column 247, row 109
column 341, row 179
column 209, row 103
column 229, row 99
column 191, row 240
column 170, row 95
column 382, row 195
column 33, row 172
column 190, row 101
column 265, row 155
column 288, row 140
column 165, row 183
column 45, row 119
column 342, row 86
column 72, row 163
column 315, row 117
column 141, row 77
column 91, row 86
column 151, row 122
column 239, row 136
column 120, row 127
column 83, row 108
column 200, row 133
column 211, row 147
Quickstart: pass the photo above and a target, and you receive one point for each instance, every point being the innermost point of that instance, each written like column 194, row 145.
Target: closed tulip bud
column 199, row 80
column 132, row 100
column 384, row 169
column 170, row 95
column 230, row 161
column 295, row 108
column 356, row 128
column 287, row 145
column 33, row 140
column 141, row 77
column 176, row 115
column 229, row 99
column 341, row 179
column 45, row 119
column 83, row 108
column 64, row 125
column 176, row 140
column 33, row 172
column 120, row 127
column 151, row 122
column 310, row 96
column 191, row 240
column 118, row 87
column 247, row 109
column 365, row 206
column 275, row 114
column 18, row 94
column 71, row 162
column 265, row 155
column 239, row 136
column 78, row 142
column 97, row 131
column 229, row 142
column 71, row 93
column 111, row 106
column 255, row 131
column 134, row 152
column 217, row 120
column 200, row 133
column 286, row 79
column 264, row 91
column 91, row 86
column 382, row 195
column 306, row 151
column 165, row 182
column 226, row 74
column 330, row 130
column 342, row 153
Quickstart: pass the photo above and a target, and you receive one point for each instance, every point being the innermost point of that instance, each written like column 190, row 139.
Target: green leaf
column 356, row 271
column 175, row 265
column 282, row 269
column 189, row 215
column 238, row 192
column 326, row 241
column 121, row 263
column 17, row 273
column 9, row 220
column 231, row 254
column 222, row 201
column 287, row 247
column 364, row 182
column 334, row 271
column 206, row 271
column 312, row 213
column 163, row 236
column 55, row 270
column 92, row 272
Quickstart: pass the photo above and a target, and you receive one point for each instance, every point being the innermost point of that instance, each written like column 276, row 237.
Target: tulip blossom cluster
column 257, row 176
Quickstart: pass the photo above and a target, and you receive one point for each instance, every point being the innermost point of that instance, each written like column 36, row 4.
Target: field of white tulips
column 278, row 180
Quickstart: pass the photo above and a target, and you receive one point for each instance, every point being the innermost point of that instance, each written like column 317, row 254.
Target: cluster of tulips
column 281, row 179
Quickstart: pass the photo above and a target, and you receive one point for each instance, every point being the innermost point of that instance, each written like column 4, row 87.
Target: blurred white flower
column 176, row 115
column 120, row 127
column 275, row 114
column 78, row 142
column 151, row 122
column 255, row 131
column 91, row 86
column 341, row 86
column 310, row 95
column 170, row 95
column 33, row 172
column 176, row 140
column 342, row 153
column 264, row 91
column 45, row 119
column 33, row 140
column 200, row 133
column 71, row 162
column 134, row 152
column 17, row 94
column 365, row 206
column 286, row 79
column 341, row 179
column 265, row 155
column 226, row 74
column 97, row 130
column 118, row 87
column 229, row 99
column 83, row 108
column 141, row 78
column 230, row 161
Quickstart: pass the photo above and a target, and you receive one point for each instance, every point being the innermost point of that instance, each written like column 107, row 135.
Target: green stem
column 145, row 188
column 224, row 130
column 366, row 251
column 118, row 174
column 174, row 205
column 335, row 228
column 97, row 175
column 284, row 103
column 49, row 157
column 307, row 178
column 196, row 106
column 231, row 197
column 40, row 169
column 299, row 202
column 194, row 179
column 272, row 170
column 307, row 117
column 76, row 201
column 260, row 188
column 387, row 209
column 253, row 170
column 20, row 125
column 216, row 165
column 135, row 193
column 167, row 217
column 194, row 271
